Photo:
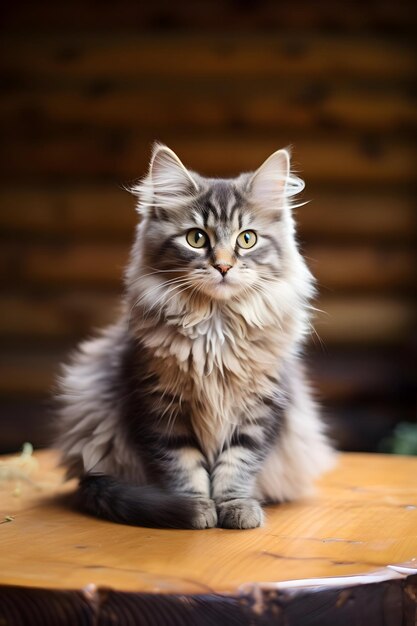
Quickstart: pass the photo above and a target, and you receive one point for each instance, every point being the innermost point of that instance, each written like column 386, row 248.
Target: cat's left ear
column 267, row 186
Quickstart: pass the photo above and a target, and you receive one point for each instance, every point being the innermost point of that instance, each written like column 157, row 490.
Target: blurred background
column 88, row 85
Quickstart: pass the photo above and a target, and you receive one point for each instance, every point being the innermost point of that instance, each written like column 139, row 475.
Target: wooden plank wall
column 86, row 88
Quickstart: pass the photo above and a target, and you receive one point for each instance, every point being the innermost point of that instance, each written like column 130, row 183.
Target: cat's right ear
column 168, row 175
column 168, row 184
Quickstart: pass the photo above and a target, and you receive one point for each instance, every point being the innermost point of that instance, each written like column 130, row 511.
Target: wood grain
column 277, row 55
column 389, row 601
column 338, row 532
column 207, row 15
column 252, row 106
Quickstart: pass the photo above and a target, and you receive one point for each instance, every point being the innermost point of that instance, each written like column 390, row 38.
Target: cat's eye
column 197, row 238
column 247, row 239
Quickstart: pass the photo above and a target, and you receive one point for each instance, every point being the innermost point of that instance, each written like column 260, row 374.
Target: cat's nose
column 223, row 268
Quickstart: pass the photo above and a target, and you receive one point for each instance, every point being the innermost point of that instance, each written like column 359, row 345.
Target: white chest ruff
column 218, row 369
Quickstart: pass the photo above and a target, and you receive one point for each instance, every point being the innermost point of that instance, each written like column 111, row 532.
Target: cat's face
column 223, row 239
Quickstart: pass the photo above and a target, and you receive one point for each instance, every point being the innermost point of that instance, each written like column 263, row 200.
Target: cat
column 193, row 408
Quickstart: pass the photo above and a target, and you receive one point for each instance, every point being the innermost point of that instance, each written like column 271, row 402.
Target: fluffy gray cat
column 193, row 408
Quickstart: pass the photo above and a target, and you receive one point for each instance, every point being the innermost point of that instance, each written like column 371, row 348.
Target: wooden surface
column 363, row 518
column 347, row 556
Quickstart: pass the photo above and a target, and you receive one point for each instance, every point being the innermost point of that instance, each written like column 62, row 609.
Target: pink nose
column 223, row 268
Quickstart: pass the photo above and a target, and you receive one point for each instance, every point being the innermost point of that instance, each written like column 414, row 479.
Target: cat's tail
column 108, row 498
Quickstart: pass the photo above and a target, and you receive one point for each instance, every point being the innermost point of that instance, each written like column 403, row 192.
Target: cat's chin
column 222, row 290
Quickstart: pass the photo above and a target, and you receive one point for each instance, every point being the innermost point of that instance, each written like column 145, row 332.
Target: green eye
column 197, row 238
column 247, row 239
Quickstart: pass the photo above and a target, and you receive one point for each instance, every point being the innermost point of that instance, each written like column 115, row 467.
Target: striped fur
column 197, row 392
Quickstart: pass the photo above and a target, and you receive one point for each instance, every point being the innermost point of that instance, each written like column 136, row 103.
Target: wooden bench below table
column 347, row 555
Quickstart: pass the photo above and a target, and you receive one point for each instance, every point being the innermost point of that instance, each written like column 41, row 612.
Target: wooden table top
column 362, row 518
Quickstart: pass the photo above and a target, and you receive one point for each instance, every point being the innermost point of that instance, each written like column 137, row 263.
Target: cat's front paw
column 240, row 513
column 205, row 514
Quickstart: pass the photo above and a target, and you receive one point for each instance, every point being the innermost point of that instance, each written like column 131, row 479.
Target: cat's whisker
column 313, row 332
column 140, row 278
column 156, row 272
column 186, row 284
column 316, row 310
column 163, row 285
column 153, row 306
column 147, row 293
column 167, row 283
column 176, row 294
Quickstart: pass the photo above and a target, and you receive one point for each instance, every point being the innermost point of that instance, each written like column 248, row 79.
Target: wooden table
column 346, row 556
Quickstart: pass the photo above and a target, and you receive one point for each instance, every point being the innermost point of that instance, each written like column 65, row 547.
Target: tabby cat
column 193, row 408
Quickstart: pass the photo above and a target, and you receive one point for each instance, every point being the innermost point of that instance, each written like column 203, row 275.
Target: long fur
column 198, row 389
